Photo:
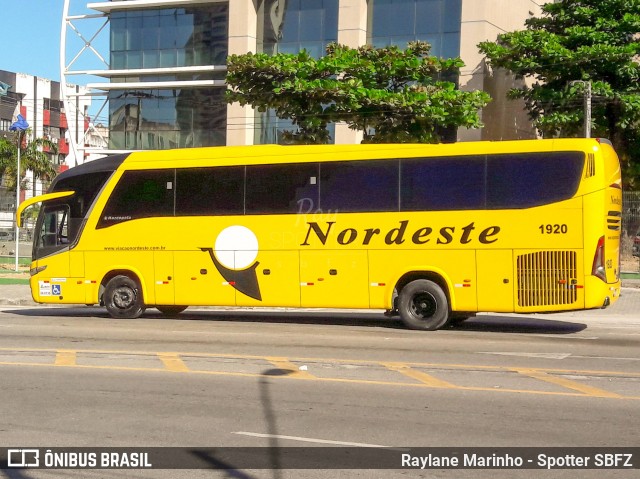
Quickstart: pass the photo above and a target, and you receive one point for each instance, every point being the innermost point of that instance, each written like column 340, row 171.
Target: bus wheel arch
column 423, row 301
column 122, row 295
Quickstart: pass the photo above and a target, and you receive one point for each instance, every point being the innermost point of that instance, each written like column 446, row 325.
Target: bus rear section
column 602, row 217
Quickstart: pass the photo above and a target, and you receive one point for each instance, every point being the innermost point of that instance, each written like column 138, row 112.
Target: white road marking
column 562, row 336
column 309, row 439
column 556, row 356
column 606, row 357
column 530, row 355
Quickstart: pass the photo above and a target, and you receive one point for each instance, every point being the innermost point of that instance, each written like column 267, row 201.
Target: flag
column 20, row 125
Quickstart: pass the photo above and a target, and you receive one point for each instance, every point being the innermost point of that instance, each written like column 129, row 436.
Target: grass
column 4, row 281
column 630, row 275
column 23, row 260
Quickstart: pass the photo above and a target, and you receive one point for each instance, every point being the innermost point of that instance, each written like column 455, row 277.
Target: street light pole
column 20, row 126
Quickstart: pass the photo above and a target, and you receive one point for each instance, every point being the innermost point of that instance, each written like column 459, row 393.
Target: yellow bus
column 435, row 233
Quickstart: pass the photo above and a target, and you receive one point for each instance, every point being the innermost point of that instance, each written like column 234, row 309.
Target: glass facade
column 170, row 37
column 289, row 26
column 396, row 22
column 198, row 35
column 167, row 38
column 167, row 118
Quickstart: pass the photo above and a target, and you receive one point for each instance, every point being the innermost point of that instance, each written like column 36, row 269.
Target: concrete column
column 484, row 20
column 243, row 22
column 352, row 31
column 352, row 23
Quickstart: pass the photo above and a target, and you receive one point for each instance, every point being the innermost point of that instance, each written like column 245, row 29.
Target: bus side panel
column 278, row 277
column 334, row 278
column 164, row 277
column 457, row 267
column 495, row 280
column 198, row 283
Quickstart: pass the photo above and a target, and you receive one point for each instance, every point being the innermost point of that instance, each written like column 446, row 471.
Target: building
column 167, row 60
column 39, row 101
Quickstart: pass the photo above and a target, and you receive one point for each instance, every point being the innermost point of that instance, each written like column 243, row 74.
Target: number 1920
column 553, row 229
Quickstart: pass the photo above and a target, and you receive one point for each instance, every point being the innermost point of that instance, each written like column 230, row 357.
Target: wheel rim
column 124, row 297
column 423, row 305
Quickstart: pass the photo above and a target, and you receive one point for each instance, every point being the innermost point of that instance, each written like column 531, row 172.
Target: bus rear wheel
column 123, row 298
column 423, row 305
column 170, row 310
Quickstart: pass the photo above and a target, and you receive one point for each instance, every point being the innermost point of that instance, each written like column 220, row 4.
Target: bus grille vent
column 614, row 219
column 590, row 170
column 547, row 278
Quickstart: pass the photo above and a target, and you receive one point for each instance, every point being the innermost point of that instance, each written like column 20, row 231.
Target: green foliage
column 572, row 42
column 392, row 95
column 31, row 158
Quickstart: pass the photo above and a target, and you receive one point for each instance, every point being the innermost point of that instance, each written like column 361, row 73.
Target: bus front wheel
column 123, row 298
column 422, row 304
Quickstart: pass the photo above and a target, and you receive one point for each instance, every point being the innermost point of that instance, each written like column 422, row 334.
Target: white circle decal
column 236, row 247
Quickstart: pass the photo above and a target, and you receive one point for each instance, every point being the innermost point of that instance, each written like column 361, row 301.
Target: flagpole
column 20, row 127
column 18, row 200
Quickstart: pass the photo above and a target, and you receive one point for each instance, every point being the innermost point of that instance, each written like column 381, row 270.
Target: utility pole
column 587, row 108
column 587, row 105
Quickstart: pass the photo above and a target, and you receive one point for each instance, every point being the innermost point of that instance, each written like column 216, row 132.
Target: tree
column 572, row 43
column 32, row 157
column 286, row 83
column 35, row 159
column 392, row 95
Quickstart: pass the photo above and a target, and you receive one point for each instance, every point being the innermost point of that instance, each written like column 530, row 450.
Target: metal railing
column 630, row 228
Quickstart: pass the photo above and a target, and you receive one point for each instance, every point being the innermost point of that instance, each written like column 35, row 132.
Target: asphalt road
column 74, row 377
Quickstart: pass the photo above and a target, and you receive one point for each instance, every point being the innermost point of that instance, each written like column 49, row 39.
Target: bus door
column 334, row 278
column 199, row 283
column 495, row 280
column 51, row 236
column 163, row 277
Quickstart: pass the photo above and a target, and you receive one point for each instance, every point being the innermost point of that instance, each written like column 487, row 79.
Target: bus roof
column 256, row 154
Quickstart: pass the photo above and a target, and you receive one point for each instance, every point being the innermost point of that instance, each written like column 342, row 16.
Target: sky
column 31, row 29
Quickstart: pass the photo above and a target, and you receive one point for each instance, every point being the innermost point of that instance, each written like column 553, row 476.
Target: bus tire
column 423, row 305
column 171, row 310
column 123, row 298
